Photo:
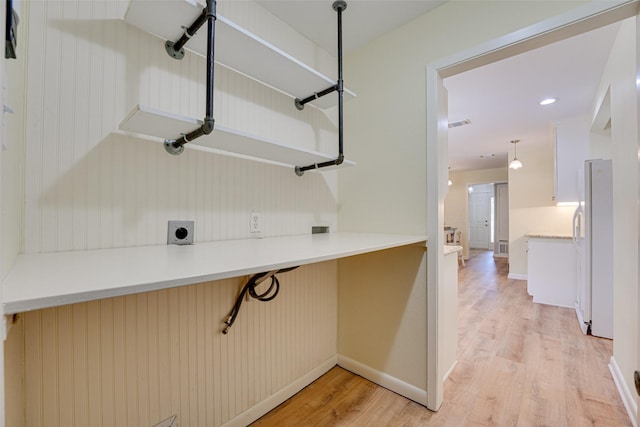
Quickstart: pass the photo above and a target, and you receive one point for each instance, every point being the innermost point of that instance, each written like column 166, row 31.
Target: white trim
column 627, row 397
column 552, row 302
column 517, row 276
column 527, row 34
column 437, row 173
column 583, row 326
column 446, row 375
column 383, row 379
column 271, row 402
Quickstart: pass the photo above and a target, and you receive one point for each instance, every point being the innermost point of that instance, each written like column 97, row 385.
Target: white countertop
column 53, row 279
column 548, row 235
column 452, row 249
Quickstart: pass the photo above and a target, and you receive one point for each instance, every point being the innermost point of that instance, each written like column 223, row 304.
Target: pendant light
column 515, row 163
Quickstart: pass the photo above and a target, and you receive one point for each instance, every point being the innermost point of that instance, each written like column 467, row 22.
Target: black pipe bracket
column 176, row 50
column 339, row 6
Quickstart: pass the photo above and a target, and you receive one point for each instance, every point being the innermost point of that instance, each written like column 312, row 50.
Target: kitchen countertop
column 451, row 249
column 548, row 235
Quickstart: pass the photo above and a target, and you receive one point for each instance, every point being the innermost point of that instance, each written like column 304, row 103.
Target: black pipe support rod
column 300, row 102
column 176, row 146
column 339, row 6
column 300, row 170
column 176, row 49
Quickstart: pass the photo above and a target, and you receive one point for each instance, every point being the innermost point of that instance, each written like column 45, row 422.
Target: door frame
column 498, row 218
column 582, row 19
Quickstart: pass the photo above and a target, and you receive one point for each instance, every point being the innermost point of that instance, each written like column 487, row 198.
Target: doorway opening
column 578, row 21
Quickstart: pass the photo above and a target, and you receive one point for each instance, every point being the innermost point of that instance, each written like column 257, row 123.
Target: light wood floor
column 519, row 364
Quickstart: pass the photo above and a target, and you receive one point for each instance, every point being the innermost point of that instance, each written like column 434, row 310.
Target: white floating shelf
column 149, row 121
column 52, row 279
column 235, row 48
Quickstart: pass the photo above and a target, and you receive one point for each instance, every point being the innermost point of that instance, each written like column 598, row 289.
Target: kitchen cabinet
column 571, row 150
column 552, row 269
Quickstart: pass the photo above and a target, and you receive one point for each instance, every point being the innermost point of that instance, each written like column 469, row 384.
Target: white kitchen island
column 552, row 269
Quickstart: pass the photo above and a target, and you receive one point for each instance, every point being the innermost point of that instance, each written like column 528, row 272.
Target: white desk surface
column 52, row 279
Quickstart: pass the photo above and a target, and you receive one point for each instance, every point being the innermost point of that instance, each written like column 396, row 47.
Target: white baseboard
column 446, row 375
column 626, row 395
column 555, row 303
column 271, row 402
column 385, row 380
column 583, row 326
column 517, row 276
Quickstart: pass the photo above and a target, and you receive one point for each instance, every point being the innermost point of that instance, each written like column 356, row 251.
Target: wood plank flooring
column 519, row 364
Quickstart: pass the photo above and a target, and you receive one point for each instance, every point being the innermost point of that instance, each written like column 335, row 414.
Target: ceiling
column 501, row 99
column 362, row 21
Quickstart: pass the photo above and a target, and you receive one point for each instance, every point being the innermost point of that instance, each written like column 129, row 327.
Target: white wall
column 620, row 75
column 89, row 186
column 385, row 126
column 382, row 313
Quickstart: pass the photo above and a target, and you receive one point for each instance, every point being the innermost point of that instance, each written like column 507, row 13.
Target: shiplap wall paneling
column 139, row 359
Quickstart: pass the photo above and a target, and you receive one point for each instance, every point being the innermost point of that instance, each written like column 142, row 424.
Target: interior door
column 479, row 220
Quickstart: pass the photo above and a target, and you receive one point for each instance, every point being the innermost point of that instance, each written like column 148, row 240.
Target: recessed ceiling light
column 548, row 101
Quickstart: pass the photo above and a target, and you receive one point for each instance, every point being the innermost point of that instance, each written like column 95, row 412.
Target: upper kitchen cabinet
column 571, row 150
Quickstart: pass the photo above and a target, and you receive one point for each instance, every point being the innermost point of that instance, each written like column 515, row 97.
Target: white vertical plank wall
column 89, row 186
column 135, row 360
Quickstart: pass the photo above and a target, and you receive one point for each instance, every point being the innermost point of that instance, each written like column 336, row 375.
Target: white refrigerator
column 593, row 236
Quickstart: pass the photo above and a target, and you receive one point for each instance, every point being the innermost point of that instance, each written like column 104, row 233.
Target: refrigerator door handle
column 577, row 224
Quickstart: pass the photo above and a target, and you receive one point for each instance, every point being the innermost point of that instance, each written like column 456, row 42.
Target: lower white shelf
column 52, row 279
column 149, row 121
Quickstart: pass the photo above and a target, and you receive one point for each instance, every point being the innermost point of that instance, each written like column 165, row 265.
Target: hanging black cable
column 176, row 146
column 250, row 287
column 339, row 6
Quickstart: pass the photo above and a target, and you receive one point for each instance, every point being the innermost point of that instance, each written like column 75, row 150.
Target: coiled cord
column 250, row 287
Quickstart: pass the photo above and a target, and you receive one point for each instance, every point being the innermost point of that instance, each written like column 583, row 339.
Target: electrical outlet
column 255, row 222
column 180, row 233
